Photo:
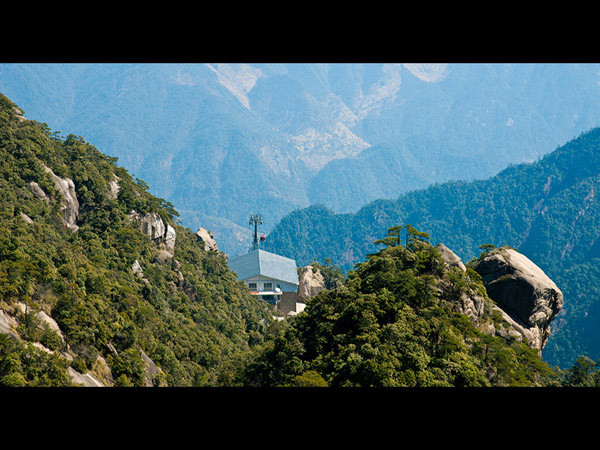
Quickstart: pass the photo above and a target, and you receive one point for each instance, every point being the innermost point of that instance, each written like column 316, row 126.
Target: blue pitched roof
column 261, row 262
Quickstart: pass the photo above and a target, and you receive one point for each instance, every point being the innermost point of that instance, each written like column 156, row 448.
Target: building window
column 268, row 286
column 252, row 286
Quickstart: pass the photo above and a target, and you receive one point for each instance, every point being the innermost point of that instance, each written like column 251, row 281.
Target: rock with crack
column 152, row 225
column 530, row 299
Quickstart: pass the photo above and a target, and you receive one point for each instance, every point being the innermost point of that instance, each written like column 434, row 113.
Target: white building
column 271, row 277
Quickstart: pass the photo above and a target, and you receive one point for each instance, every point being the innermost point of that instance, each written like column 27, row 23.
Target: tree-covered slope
column 129, row 311
column 397, row 321
column 547, row 209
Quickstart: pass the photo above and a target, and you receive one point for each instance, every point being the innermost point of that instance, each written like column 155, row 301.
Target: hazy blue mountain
column 223, row 141
column 468, row 122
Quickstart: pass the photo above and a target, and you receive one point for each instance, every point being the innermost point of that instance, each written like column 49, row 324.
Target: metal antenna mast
column 255, row 219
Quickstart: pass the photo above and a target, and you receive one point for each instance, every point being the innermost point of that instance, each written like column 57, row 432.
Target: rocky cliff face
column 450, row 257
column 12, row 316
column 206, row 238
column 527, row 298
column 310, row 283
column 69, row 204
column 153, row 226
column 99, row 376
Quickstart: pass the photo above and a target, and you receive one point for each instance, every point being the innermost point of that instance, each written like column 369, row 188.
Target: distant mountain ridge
column 222, row 141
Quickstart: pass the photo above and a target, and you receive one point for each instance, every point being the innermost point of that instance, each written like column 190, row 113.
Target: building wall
column 287, row 303
column 260, row 280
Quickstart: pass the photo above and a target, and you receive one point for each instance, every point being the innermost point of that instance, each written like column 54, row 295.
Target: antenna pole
column 255, row 219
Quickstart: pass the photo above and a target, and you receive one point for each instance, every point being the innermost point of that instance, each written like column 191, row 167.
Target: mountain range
column 222, row 141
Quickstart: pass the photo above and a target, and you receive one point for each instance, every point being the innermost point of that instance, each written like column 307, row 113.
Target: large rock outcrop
column 206, row 238
column 69, row 204
column 153, row 226
column 310, row 283
column 450, row 257
column 528, row 298
column 38, row 192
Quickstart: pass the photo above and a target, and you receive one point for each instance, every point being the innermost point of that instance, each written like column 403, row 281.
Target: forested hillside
column 398, row 322
column 87, row 285
column 547, row 209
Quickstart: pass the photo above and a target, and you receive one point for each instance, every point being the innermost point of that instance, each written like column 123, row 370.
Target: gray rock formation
column 151, row 371
column 152, row 225
column 43, row 318
column 137, row 269
column 528, row 298
column 37, row 191
column 114, row 188
column 99, row 376
column 19, row 114
column 471, row 304
column 169, row 240
column 8, row 325
column 70, row 204
column 26, row 218
column 450, row 257
column 85, row 380
column 204, row 236
column 310, row 283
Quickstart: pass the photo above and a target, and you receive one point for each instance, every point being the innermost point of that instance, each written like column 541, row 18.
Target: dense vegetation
column 194, row 329
column 394, row 322
column 547, row 209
